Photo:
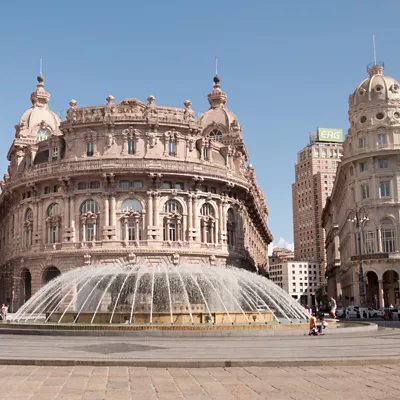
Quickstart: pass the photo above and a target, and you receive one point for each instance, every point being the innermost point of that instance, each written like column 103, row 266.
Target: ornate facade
column 367, row 181
column 127, row 181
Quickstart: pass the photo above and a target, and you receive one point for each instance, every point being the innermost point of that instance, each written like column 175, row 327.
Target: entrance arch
column 372, row 289
column 391, row 288
column 25, row 289
column 49, row 274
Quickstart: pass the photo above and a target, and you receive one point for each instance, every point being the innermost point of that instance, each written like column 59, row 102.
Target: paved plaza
column 178, row 351
column 247, row 383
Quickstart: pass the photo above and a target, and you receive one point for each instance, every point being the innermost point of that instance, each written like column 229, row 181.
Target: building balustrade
column 122, row 165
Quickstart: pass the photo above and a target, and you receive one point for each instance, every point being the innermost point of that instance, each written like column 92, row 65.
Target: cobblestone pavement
column 251, row 383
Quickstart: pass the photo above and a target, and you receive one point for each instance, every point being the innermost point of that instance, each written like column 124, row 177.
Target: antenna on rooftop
column 373, row 41
column 40, row 65
column 216, row 65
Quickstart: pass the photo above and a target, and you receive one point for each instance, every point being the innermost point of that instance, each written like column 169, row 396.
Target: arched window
column 387, row 234
column 172, row 206
column 90, row 206
column 42, row 134
column 207, row 220
column 369, row 239
column 231, row 228
column 53, row 223
column 131, row 204
column 132, row 220
column 28, row 226
column 216, row 134
column 172, row 221
column 90, row 221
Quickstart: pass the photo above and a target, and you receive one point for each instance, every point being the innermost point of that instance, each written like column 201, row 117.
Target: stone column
column 126, row 233
column 217, row 234
column 381, row 298
column 155, row 210
column 184, row 228
column 113, row 210
column 83, row 223
column 203, row 231
column 149, row 209
column 72, row 217
column 137, row 230
column 189, row 217
column 211, row 227
column 178, row 230
column 167, row 231
column 94, row 230
column 40, row 229
column 66, row 218
column 106, row 211
column 196, row 220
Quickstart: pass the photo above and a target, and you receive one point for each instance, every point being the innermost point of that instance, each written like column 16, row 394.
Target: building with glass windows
column 367, row 187
column 315, row 174
column 127, row 181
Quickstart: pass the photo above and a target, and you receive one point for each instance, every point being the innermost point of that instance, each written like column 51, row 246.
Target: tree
column 322, row 295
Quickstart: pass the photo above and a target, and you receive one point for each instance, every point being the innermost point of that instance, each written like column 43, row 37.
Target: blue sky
column 287, row 66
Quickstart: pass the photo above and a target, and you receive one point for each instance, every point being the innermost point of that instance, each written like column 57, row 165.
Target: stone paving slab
column 246, row 383
column 349, row 349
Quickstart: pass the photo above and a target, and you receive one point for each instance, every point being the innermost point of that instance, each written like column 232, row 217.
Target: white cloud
column 281, row 243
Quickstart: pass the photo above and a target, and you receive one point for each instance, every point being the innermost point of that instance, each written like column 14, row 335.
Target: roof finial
column 40, row 77
column 373, row 41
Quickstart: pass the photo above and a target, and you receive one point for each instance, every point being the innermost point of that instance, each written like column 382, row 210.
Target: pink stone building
column 127, row 182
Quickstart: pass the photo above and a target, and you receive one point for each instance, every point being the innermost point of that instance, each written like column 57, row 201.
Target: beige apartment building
column 315, row 174
column 298, row 278
column 363, row 210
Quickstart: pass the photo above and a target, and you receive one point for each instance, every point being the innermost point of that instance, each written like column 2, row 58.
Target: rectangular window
column 363, row 167
column 131, row 146
column 388, row 241
column 171, row 149
column 55, row 153
column 213, row 190
column 179, row 186
column 362, row 143
column 124, row 184
column 167, row 185
column 53, row 234
column 95, row 185
column 383, row 163
column 137, row 184
column 384, row 189
column 369, row 242
column 47, row 190
column 89, row 149
column 206, row 153
column 81, row 186
column 381, row 139
column 90, row 234
column 365, row 191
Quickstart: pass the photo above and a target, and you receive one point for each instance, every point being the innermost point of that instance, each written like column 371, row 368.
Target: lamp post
column 359, row 216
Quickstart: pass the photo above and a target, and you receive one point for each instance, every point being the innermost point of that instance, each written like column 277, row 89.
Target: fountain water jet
column 171, row 294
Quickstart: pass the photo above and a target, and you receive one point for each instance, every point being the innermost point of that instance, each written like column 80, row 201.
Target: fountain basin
column 164, row 318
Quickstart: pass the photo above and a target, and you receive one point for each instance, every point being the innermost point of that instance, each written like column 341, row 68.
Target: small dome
column 376, row 89
column 218, row 114
column 39, row 120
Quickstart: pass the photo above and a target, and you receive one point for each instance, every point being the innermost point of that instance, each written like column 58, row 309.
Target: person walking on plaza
column 4, row 310
column 309, row 309
column 332, row 303
column 313, row 326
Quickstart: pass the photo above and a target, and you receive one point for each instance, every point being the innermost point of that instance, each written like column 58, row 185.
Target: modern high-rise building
column 315, row 173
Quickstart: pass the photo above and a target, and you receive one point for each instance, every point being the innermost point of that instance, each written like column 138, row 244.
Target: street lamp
column 359, row 216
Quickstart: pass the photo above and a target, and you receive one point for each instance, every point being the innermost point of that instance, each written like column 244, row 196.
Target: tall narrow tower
column 315, row 173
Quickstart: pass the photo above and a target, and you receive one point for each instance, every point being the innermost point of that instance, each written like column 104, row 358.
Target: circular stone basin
column 167, row 295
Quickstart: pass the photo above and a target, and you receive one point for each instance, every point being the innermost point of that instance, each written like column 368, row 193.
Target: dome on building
column 377, row 88
column 218, row 115
column 39, row 120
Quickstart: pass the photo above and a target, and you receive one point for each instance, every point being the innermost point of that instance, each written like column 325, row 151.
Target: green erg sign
column 330, row 135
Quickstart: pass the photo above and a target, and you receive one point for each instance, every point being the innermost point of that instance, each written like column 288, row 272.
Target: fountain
column 165, row 295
